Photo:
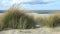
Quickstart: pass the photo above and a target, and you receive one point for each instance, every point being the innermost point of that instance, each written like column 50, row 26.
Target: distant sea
column 1, row 12
column 36, row 11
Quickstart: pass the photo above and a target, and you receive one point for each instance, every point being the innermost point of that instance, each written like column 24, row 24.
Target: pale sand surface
column 42, row 30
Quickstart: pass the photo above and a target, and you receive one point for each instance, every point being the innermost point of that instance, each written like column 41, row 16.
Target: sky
column 31, row 4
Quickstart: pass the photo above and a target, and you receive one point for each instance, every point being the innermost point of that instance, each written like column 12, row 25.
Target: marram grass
column 11, row 19
column 16, row 19
column 56, row 20
column 52, row 21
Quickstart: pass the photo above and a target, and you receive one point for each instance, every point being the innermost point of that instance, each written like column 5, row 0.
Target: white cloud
column 19, row 1
column 36, row 0
column 5, row 3
column 48, row 0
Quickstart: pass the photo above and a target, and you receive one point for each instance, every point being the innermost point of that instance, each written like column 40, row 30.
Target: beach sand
column 42, row 30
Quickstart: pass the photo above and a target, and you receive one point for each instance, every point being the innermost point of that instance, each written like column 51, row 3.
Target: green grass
column 16, row 19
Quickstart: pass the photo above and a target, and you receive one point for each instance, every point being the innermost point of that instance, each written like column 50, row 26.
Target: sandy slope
column 33, row 31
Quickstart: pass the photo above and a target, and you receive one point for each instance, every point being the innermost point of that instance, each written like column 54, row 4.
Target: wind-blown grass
column 56, row 20
column 11, row 19
column 16, row 19
column 52, row 21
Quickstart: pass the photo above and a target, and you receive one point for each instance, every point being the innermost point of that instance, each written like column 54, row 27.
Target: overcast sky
column 31, row 4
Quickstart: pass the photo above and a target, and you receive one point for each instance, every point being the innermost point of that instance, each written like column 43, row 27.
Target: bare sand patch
column 32, row 31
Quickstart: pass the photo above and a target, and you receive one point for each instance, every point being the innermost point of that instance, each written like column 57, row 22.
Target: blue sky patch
column 31, row 4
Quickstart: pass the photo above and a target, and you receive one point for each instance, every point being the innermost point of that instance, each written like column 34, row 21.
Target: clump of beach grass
column 54, row 20
column 11, row 18
column 16, row 19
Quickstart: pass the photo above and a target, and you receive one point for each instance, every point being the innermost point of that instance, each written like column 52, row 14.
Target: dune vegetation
column 55, row 20
column 18, row 19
